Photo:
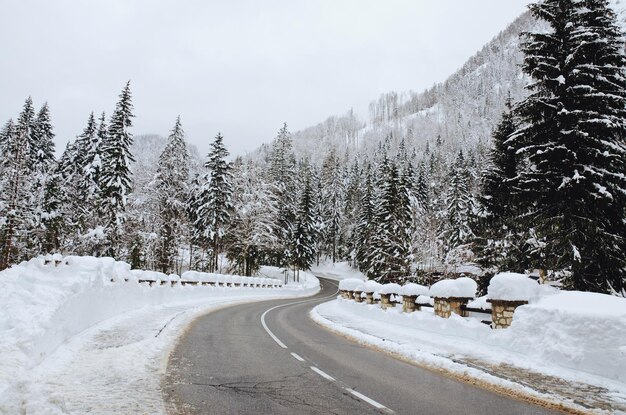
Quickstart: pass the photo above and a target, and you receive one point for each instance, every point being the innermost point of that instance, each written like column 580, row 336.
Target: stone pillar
column 408, row 303
column 502, row 312
column 357, row 296
column 385, row 301
column 444, row 307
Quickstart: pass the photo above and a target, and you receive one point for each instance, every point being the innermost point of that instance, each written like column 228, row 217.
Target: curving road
column 271, row 358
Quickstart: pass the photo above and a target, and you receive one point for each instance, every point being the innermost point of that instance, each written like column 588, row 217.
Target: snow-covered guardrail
column 199, row 278
column 507, row 291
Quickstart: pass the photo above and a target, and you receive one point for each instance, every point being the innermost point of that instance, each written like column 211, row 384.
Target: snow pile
column 460, row 288
column 350, row 284
column 43, row 306
column 578, row 330
column 510, row 286
column 575, row 334
column 304, row 280
column 414, row 289
column 372, row 287
column 390, row 289
column 337, row 271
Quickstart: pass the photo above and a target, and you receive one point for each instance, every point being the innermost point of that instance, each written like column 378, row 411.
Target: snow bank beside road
column 44, row 306
column 570, row 335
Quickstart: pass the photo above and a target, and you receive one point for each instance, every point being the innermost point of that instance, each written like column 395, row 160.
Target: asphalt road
column 228, row 363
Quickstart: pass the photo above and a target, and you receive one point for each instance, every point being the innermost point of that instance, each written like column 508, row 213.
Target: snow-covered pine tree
column 42, row 153
column 366, row 223
column 16, row 216
column 333, row 195
column 499, row 238
column 214, row 212
column 281, row 174
column 252, row 228
column 43, row 163
column 54, row 219
column 351, row 209
column 171, row 190
column 456, row 228
column 115, row 174
column 391, row 254
column 571, row 135
column 303, row 242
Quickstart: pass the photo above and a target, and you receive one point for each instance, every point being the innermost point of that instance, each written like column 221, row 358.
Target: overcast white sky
column 239, row 67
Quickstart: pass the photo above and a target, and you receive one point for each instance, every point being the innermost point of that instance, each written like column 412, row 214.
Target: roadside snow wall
column 42, row 306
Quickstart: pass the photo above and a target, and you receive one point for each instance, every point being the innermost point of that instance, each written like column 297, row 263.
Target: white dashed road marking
column 297, row 357
column 369, row 400
column 313, row 368
column 322, row 374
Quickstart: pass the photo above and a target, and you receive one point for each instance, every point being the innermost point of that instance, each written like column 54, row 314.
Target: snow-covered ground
column 337, row 271
column 566, row 347
column 73, row 341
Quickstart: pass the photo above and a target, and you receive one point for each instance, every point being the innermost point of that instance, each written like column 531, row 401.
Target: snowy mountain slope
column 462, row 110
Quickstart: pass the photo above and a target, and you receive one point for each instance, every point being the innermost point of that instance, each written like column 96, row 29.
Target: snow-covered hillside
column 462, row 110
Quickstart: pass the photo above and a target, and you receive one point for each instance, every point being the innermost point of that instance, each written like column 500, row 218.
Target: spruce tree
column 252, row 229
column 571, row 137
column 115, row 174
column 497, row 228
column 171, row 190
column 303, row 243
column 366, row 224
column 391, row 254
column 282, row 175
column 214, row 211
column 455, row 228
column 16, row 213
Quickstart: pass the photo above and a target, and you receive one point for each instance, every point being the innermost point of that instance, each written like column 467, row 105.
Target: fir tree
column 282, row 176
column 456, row 230
column 171, row 190
column 304, row 230
column 366, row 224
column 571, row 136
column 16, row 214
column 214, row 211
column 252, row 228
column 115, row 175
column 391, row 256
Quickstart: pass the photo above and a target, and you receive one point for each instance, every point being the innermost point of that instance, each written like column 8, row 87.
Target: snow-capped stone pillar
column 444, row 307
column 386, row 291
column 409, row 293
column 357, row 296
column 370, row 288
column 506, row 292
column 450, row 295
column 502, row 312
column 348, row 287
column 408, row 303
